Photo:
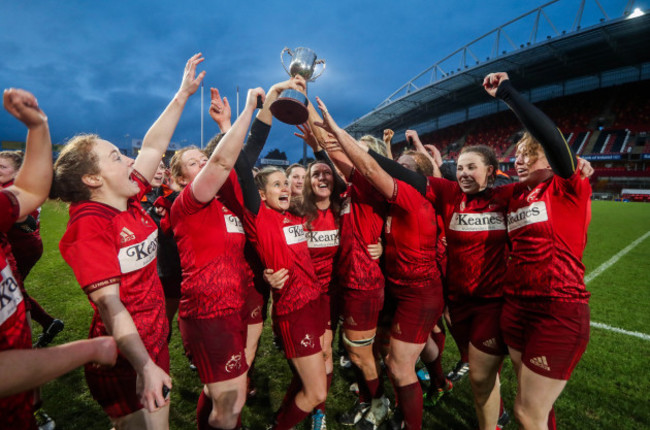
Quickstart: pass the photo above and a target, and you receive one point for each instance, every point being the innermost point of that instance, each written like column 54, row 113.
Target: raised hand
column 251, row 97
column 434, row 153
column 191, row 82
column 307, row 136
column 24, row 106
column 585, row 167
column 388, row 136
column 492, row 81
column 220, row 109
column 328, row 124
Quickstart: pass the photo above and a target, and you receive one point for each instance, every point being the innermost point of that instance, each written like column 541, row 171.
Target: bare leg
column 484, row 377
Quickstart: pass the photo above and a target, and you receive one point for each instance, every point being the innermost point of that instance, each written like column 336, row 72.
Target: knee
column 481, row 382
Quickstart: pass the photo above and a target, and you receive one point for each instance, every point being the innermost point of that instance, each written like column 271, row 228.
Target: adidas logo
column 126, row 235
column 540, row 362
column 491, row 343
column 286, row 221
column 350, row 321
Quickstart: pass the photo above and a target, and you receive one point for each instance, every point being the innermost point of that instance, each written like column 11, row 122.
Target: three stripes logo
column 126, row 235
column 491, row 343
column 540, row 362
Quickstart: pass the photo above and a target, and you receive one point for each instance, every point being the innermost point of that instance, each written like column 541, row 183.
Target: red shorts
column 114, row 388
column 551, row 335
column 254, row 310
column 413, row 311
column 478, row 321
column 217, row 346
column 361, row 308
column 300, row 330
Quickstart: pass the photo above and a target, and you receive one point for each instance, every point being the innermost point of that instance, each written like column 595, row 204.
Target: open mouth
column 284, row 199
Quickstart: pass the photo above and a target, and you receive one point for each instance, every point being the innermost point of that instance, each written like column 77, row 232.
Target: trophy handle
column 322, row 62
column 290, row 52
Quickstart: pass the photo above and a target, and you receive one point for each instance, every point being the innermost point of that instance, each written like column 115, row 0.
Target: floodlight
column 637, row 12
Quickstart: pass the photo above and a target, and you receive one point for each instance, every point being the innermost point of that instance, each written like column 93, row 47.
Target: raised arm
column 388, row 137
column 120, row 325
column 319, row 153
column 33, row 181
column 364, row 163
column 216, row 171
column 262, row 123
column 251, row 195
column 157, row 139
column 435, row 158
column 541, row 127
column 26, row 369
column 328, row 142
column 220, row 110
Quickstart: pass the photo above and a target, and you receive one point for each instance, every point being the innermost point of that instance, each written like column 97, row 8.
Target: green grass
column 608, row 388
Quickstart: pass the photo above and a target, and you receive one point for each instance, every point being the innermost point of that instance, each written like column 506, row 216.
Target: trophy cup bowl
column 291, row 106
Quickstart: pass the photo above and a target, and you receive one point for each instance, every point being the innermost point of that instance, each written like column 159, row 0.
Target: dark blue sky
column 110, row 67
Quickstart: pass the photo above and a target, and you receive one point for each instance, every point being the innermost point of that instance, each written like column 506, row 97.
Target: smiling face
column 276, row 193
column 114, row 171
column 321, row 179
column 472, row 172
column 531, row 163
column 297, row 180
column 192, row 161
column 159, row 177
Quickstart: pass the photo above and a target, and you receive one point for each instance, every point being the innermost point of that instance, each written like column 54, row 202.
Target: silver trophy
column 291, row 106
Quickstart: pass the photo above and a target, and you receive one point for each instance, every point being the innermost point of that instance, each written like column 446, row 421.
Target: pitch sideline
column 606, row 265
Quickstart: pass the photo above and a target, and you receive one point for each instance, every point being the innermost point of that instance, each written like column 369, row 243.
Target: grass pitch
column 608, row 389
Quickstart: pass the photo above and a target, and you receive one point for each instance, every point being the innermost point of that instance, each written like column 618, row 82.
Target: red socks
column 410, row 402
column 289, row 415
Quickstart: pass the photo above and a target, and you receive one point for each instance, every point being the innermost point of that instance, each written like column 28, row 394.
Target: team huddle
column 387, row 248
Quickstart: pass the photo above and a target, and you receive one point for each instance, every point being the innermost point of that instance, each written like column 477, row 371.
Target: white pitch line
column 606, row 265
column 620, row 330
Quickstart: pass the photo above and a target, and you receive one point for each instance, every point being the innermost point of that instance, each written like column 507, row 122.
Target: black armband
column 244, row 172
column 542, row 128
column 256, row 140
column 397, row 171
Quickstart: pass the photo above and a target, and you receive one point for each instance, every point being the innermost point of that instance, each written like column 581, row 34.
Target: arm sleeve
column 251, row 196
column 559, row 154
column 256, row 140
column 322, row 156
column 400, row 172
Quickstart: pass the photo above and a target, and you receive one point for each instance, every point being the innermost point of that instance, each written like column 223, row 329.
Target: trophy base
column 291, row 107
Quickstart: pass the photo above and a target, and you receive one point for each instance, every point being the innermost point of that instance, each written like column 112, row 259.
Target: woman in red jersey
column 474, row 218
column 545, row 319
column 110, row 243
column 414, row 285
column 206, row 219
column 21, row 367
column 280, row 240
column 27, row 248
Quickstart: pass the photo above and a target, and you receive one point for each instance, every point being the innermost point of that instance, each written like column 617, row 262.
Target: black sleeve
column 322, row 156
column 244, row 171
column 256, row 140
column 400, row 172
column 541, row 127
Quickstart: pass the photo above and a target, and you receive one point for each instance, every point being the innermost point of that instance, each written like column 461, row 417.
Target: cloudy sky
column 110, row 67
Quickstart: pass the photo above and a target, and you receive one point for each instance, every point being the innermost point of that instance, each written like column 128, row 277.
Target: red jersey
column 323, row 242
column 362, row 219
column 16, row 411
column 475, row 228
column 548, row 230
column 411, row 237
column 280, row 241
column 104, row 246
column 210, row 239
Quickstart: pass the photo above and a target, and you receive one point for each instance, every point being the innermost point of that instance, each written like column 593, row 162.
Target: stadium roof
column 612, row 43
